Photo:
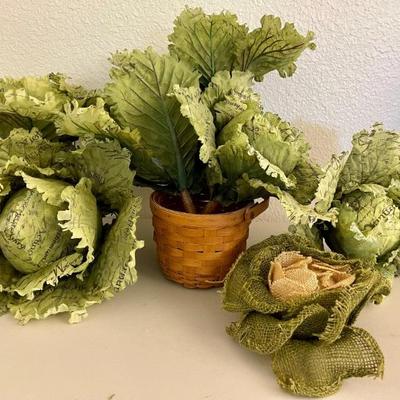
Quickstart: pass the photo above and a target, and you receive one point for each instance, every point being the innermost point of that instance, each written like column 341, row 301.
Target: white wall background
column 349, row 82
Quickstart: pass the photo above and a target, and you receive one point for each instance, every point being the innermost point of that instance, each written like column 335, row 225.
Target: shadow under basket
column 197, row 250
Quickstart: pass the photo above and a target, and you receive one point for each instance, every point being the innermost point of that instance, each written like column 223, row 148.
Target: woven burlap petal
column 266, row 334
column 312, row 368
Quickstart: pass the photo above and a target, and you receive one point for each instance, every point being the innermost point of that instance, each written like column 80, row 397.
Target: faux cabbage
column 365, row 198
column 57, row 254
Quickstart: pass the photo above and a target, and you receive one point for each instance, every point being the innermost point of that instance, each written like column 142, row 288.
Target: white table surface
column 157, row 340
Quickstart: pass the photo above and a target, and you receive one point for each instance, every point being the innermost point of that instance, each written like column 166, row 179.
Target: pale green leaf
column 28, row 148
column 328, row 183
column 138, row 98
column 106, row 164
column 271, row 47
column 50, row 189
column 207, row 42
column 94, row 121
column 81, row 218
column 68, row 296
column 297, row 213
column 237, row 107
column 30, row 236
column 29, row 284
column 201, row 118
column 225, row 82
column 306, row 173
column 8, row 274
column 38, row 98
column 368, row 224
column 114, row 267
column 374, row 158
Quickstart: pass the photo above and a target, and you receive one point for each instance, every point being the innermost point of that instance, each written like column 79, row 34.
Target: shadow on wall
column 324, row 141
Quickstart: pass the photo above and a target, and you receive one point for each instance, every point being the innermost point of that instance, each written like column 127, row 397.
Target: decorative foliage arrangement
column 191, row 119
column 57, row 254
column 305, row 324
column 189, row 123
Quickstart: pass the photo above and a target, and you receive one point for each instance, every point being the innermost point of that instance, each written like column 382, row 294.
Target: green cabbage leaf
column 218, row 42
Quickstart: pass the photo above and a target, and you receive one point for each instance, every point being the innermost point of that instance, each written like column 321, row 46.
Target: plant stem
column 187, row 201
column 211, row 207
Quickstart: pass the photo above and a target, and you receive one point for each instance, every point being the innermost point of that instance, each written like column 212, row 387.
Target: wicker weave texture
column 197, row 250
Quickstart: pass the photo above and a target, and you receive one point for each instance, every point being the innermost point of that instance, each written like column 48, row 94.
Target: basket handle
column 256, row 209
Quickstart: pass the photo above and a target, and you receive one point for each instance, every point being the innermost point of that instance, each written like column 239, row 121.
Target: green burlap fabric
column 310, row 339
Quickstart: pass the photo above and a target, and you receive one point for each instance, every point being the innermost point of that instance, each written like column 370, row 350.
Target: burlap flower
column 307, row 329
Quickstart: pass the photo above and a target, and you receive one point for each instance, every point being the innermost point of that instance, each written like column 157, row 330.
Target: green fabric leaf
column 307, row 175
column 238, row 158
column 224, row 83
column 114, row 268
column 201, row 118
column 328, row 184
column 250, row 331
column 246, row 288
column 271, row 47
column 28, row 149
column 81, row 218
column 106, row 164
column 50, row 274
column 206, row 42
column 265, row 148
column 50, row 189
column 38, row 98
column 297, row 213
column 138, row 98
column 374, row 158
column 68, row 296
column 94, row 121
column 236, row 109
column 315, row 369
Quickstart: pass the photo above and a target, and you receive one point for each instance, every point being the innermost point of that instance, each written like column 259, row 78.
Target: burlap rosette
column 299, row 305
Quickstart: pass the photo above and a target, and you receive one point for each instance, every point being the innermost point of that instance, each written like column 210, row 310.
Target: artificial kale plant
column 191, row 119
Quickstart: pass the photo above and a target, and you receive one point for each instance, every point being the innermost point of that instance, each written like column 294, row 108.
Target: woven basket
column 197, row 250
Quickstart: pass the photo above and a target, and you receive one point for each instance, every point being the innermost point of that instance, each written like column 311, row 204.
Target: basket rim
column 155, row 205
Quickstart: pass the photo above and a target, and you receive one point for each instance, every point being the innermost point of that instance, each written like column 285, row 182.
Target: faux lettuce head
column 368, row 224
column 364, row 200
column 56, row 255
